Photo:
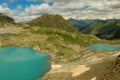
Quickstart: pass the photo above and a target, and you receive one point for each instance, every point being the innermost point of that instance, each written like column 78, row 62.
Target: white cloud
column 11, row 1
column 35, row 0
column 34, row 11
column 4, row 8
column 99, row 9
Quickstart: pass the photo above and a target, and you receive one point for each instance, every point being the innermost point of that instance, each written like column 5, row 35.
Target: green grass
column 68, row 37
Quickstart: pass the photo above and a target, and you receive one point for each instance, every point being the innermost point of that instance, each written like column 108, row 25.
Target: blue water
column 18, row 63
column 103, row 47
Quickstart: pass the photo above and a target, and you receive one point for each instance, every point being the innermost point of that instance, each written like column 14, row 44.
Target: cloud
column 4, row 8
column 19, row 7
column 35, row 0
column 33, row 11
column 84, row 7
column 36, row 9
column 115, row 5
column 4, row 5
column 78, row 9
column 11, row 1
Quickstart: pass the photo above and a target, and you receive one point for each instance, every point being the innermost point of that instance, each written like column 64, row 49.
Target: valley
column 70, row 59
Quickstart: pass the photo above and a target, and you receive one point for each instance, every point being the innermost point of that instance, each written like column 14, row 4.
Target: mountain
column 5, row 19
column 54, row 21
column 104, row 29
column 80, row 23
column 70, row 59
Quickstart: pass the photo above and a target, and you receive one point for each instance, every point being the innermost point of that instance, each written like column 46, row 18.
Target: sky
column 27, row 10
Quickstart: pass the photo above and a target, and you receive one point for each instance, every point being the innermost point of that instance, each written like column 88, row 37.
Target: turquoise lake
column 103, row 47
column 18, row 63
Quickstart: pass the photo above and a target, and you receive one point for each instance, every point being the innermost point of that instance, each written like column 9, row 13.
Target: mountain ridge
column 105, row 29
column 80, row 23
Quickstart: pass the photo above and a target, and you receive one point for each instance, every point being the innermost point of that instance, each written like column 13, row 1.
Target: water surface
column 103, row 47
column 18, row 63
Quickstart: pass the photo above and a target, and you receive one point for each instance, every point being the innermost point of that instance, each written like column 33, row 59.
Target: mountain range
column 104, row 29
column 80, row 23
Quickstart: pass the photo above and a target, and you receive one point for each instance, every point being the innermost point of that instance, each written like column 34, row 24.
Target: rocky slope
column 92, row 68
column 114, row 72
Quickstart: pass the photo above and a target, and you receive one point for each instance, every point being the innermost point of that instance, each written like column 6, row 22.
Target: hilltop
column 54, row 21
column 5, row 19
